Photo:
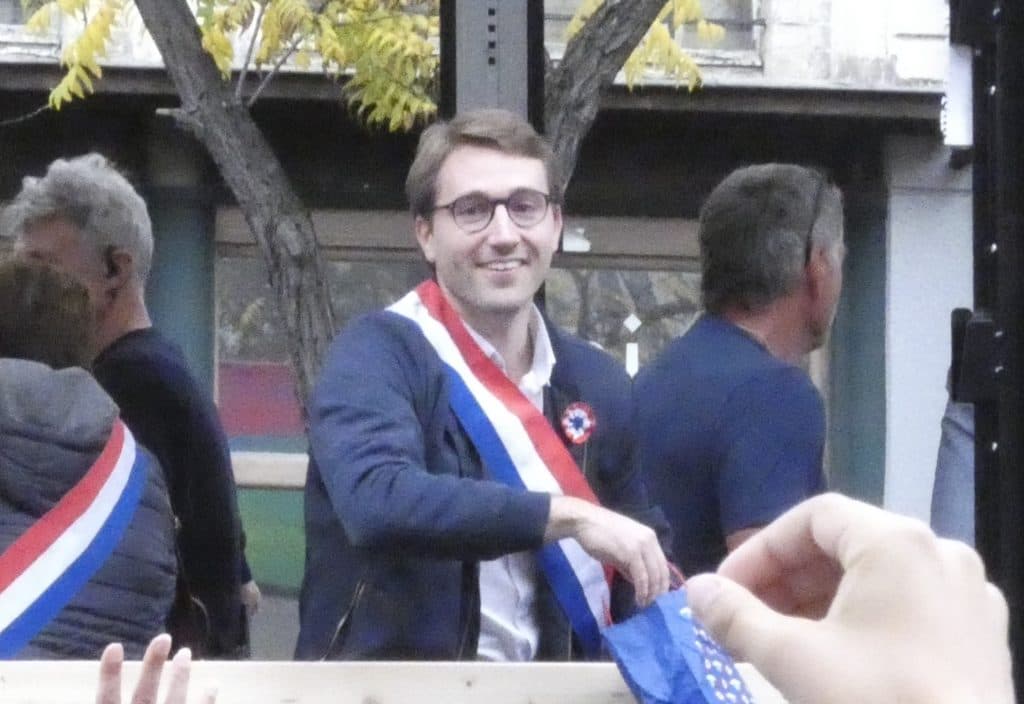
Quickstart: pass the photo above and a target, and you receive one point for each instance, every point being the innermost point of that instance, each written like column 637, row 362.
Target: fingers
column 735, row 618
column 152, row 665
column 825, row 529
column 177, row 686
column 109, row 690
column 656, row 566
column 635, row 547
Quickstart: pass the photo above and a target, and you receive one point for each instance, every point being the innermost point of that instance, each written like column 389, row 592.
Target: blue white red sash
column 48, row 564
column 520, row 448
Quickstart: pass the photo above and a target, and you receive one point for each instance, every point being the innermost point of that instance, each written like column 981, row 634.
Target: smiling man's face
column 491, row 274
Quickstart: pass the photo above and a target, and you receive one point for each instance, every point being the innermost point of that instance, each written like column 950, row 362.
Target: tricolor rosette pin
column 578, row 422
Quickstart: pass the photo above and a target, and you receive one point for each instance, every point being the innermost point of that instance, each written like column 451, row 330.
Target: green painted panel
column 857, row 365
column 179, row 293
column 275, row 540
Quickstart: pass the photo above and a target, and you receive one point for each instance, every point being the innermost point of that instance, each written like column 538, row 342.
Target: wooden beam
column 63, row 682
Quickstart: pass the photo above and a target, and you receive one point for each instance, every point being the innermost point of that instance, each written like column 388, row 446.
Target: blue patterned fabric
column 668, row 658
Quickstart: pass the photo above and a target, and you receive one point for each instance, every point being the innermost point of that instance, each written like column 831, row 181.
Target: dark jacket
column 53, row 426
column 397, row 517
column 147, row 376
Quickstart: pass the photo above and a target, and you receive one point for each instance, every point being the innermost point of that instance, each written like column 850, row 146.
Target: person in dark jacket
column 85, row 218
column 472, row 471
column 56, row 427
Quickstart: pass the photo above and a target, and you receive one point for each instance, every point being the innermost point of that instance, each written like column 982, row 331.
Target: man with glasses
column 730, row 427
column 463, row 449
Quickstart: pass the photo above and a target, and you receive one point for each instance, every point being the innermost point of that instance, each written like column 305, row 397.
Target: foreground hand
column 841, row 602
column 109, row 690
column 630, row 547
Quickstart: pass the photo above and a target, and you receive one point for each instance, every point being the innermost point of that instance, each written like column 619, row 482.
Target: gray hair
column 757, row 230
column 96, row 198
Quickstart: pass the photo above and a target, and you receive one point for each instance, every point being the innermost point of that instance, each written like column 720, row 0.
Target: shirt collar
column 543, row 364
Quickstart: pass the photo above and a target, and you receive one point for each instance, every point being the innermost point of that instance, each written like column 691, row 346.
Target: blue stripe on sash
column 43, row 610
column 553, row 562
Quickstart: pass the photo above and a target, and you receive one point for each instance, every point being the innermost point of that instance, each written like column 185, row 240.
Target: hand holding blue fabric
column 841, row 602
column 667, row 658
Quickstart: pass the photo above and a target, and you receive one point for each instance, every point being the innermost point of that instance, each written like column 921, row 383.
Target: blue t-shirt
column 730, row 437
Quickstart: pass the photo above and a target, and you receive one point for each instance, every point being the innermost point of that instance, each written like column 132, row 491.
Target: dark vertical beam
column 492, row 55
column 1008, row 187
column 995, row 28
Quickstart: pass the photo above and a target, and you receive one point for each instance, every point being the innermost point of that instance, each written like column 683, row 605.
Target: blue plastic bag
column 667, row 658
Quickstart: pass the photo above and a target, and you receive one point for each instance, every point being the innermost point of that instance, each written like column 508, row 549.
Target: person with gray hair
column 85, row 218
column 730, row 427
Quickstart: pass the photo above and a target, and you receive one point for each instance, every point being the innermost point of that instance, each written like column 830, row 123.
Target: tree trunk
column 281, row 225
column 572, row 90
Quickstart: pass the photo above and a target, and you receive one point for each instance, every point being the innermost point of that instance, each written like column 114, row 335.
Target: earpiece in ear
column 112, row 268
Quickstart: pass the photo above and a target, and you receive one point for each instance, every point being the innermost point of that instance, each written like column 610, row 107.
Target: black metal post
column 1008, row 187
column 492, row 55
column 996, row 31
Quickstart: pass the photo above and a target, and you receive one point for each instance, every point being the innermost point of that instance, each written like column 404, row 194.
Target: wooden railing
column 64, row 682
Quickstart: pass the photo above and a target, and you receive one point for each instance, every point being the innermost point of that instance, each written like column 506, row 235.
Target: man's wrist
column 563, row 518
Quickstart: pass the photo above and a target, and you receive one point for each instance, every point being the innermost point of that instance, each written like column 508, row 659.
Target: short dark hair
column 757, row 229
column 45, row 315
column 500, row 130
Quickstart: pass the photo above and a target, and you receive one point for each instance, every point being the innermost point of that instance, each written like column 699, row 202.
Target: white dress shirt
column 508, row 585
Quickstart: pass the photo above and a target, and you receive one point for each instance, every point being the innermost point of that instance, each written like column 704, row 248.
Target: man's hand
column 109, row 690
column 630, row 547
column 841, row 602
column 250, row 595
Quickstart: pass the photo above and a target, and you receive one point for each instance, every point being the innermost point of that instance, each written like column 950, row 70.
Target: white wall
column 929, row 273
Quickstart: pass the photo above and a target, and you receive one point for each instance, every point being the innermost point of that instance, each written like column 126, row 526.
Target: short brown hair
column 45, row 315
column 495, row 129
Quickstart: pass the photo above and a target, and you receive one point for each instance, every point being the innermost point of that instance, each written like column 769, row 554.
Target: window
column 11, row 12
column 740, row 18
column 16, row 43
column 631, row 314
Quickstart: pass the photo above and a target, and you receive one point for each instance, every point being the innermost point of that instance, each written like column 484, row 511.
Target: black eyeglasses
column 474, row 211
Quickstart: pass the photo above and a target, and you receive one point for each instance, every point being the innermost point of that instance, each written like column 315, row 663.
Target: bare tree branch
column 282, row 227
column 572, row 90
column 243, row 73
column 299, row 38
column 24, row 118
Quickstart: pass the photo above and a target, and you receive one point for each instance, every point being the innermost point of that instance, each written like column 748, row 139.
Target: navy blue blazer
column 397, row 508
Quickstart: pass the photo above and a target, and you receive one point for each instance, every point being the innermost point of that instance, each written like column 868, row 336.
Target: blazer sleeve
column 377, row 405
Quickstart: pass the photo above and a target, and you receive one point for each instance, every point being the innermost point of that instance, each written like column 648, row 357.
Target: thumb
column 740, row 622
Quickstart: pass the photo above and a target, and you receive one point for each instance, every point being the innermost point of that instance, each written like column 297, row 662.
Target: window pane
column 254, row 378
column 595, row 304
column 735, row 16
column 10, row 12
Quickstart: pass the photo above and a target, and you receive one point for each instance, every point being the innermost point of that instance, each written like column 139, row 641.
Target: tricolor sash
column 50, row 562
column 519, row 448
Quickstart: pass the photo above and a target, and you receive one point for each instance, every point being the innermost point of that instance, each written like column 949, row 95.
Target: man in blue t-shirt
column 731, row 429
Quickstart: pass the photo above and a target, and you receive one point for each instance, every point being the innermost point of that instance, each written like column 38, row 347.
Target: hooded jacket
column 53, row 426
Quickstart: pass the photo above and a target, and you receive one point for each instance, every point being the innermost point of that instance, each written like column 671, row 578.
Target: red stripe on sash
column 42, row 534
column 547, row 443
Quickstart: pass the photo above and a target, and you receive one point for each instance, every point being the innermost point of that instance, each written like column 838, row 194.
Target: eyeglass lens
column 474, row 211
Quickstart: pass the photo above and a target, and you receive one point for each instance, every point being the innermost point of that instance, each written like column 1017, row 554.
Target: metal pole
column 1008, row 187
column 492, row 55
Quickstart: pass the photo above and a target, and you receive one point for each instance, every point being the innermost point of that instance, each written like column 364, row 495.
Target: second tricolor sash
column 48, row 564
column 519, row 448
